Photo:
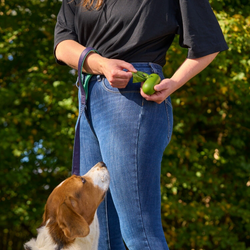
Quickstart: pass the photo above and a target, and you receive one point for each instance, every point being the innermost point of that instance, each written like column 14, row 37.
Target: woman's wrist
column 94, row 64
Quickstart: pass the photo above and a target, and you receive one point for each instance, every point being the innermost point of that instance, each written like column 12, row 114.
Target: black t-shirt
column 141, row 30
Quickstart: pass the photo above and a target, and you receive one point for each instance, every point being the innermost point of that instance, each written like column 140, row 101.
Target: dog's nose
column 102, row 164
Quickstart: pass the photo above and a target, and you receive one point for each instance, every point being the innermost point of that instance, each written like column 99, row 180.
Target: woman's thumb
column 159, row 87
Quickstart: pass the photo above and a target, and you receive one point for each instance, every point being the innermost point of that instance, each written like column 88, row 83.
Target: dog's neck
column 45, row 241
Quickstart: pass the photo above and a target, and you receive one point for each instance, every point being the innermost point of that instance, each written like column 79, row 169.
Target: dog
column 70, row 221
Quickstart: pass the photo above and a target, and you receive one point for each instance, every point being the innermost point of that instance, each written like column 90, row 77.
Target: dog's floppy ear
column 72, row 223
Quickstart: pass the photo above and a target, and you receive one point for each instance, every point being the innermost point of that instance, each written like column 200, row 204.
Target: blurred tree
column 37, row 116
column 206, row 168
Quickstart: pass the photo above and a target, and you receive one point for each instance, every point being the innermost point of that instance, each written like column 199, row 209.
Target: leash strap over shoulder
column 84, row 95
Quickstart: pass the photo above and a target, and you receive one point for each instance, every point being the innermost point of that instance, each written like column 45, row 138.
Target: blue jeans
column 129, row 134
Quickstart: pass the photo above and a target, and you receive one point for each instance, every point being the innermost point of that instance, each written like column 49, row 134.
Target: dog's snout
column 99, row 175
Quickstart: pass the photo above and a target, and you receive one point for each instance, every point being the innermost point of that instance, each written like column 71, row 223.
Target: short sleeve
column 65, row 27
column 199, row 29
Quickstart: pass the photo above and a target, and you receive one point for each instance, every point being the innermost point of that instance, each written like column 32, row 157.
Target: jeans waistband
column 156, row 68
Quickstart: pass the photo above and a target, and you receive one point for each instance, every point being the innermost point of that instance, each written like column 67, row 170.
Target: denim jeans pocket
column 130, row 88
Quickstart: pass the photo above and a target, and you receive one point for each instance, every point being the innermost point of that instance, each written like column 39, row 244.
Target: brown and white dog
column 69, row 220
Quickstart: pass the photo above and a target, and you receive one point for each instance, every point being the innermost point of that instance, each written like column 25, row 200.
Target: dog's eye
column 83, row 180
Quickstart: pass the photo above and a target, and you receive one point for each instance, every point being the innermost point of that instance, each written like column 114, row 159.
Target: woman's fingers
column 118, row 72
column 164, row 89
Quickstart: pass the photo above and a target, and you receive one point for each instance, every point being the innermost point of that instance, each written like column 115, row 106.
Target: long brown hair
column 89, row 4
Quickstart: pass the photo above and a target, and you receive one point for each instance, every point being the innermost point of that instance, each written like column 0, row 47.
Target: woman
column 118, row 123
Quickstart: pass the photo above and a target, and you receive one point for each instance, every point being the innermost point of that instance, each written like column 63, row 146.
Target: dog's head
column 71, row 208
column 73, row 203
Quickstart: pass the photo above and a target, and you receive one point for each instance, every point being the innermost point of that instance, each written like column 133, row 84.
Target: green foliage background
column 205, row 169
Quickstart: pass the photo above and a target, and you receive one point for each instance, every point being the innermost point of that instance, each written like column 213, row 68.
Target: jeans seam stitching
column 107, row 223
column 89, row 123
column 137, row 186
column 169, row 103
column 168, row 119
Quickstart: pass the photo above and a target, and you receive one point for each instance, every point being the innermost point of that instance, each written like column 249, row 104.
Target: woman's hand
column 117, row 72
column 164, row 89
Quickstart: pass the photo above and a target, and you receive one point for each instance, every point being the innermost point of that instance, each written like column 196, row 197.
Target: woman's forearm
column 69, row 51
column 190, row 68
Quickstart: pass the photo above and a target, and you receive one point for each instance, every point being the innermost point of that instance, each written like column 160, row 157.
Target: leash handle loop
column 84, row 85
